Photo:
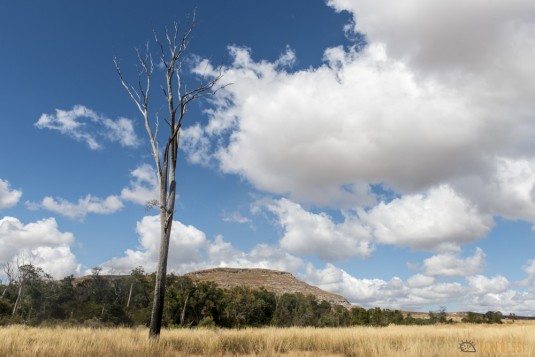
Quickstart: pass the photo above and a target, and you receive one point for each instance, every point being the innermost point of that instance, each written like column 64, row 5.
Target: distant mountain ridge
column 276, row 281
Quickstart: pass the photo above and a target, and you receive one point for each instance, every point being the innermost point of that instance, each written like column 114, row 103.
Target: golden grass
column 441, row 340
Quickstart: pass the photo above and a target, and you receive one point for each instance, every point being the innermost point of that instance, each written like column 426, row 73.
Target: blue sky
column 381, row 151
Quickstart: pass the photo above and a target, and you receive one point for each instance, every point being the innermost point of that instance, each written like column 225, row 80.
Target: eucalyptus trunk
column 171, row 56
column 166, row 225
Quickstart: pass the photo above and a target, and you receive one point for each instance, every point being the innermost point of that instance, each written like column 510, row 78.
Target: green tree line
column 32, row 297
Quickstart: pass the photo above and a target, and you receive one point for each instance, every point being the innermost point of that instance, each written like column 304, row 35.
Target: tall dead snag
column 171, row 55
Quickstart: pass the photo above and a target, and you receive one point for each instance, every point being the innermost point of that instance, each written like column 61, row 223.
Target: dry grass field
column 516, row 339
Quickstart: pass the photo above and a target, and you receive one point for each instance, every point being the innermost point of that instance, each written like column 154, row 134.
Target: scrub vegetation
column 32, row 298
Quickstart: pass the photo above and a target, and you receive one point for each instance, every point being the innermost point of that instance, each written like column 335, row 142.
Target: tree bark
column 159, row 288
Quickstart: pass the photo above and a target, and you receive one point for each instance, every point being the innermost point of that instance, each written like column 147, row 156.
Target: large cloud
column 40, row 243
column 470, row 36
column 322, row 134
column 442, row 95
column 438, row 220
column 8, row 197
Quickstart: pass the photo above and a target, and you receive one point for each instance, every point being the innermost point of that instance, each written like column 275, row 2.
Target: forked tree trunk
column 177, row 99
column 167, row 208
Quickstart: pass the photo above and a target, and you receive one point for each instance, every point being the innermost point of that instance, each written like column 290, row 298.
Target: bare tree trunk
column 129, row 295
column 183, row 314
column 17, row 301
column 9, row 272
column 277, row 300
column 166, row 223
column 159, row 288
column 172, row 58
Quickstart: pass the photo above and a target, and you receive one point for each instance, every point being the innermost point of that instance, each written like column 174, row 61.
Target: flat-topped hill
column 279, row 282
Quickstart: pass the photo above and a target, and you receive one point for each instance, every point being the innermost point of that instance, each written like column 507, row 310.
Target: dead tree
column 9, row 271
column 129, row 295
column 171, row 55
column 20, row 276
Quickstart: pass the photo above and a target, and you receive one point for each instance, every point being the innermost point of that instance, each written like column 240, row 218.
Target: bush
column 491, row 317
column 207, row 322
column 5, row 308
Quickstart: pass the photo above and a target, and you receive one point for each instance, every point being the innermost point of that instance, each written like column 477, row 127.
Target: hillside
column 279, row 282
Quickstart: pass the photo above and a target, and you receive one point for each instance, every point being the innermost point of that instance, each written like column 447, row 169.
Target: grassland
column 440, row 340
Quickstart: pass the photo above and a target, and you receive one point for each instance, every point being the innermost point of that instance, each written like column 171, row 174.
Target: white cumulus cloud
column 420, row 281
column 429, row 103
column 316, row 234
column 529, row 268
column 484, row 285
column 84, row 124
column 323, row 133
column 190, row 250
column 449, row 264
column 393, row 293
column 184, row 247
column 8, row 197
column 40, row 243
column 439, row 220
column 235, row 217
column 144, row 186
column 420, row 292
column 508, row 190
column 78, row 210
column 449, row 36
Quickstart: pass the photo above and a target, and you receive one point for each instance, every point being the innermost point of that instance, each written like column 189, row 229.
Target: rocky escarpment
column 279, row 282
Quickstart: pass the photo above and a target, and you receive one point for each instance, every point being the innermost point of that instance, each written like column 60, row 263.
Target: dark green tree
column 493, row 317
column 359, row 316
column 377, row 317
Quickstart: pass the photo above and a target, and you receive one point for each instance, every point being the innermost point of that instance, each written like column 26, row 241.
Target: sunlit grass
column 440, row 340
